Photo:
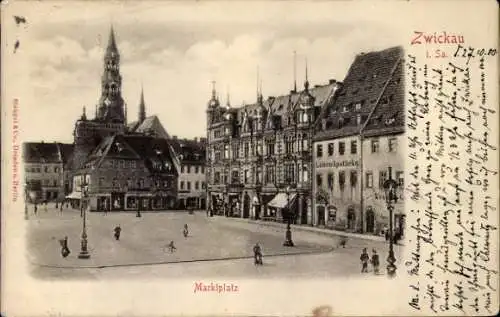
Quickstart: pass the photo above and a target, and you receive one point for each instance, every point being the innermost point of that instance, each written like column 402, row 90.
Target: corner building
column 256, row 151
column 358, row 142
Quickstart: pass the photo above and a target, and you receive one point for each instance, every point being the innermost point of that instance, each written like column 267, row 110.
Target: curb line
column 178, row 262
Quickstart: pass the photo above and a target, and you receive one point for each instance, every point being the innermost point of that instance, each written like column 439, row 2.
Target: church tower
column 110, row 108
column 110, row 113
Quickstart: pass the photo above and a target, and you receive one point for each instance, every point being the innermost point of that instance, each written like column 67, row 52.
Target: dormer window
column 341, row 122
column 390, row 121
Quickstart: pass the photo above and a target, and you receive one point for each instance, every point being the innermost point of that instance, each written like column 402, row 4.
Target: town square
column 215, row 246
column 316, row 172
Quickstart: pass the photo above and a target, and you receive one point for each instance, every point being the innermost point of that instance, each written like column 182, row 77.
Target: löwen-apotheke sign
column 337, row 164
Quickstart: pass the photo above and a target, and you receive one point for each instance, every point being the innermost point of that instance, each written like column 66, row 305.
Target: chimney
column 332, row 81
column 196, row 139
column 174, row 137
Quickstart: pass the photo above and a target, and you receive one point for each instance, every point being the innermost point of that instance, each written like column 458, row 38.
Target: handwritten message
column 453, row 183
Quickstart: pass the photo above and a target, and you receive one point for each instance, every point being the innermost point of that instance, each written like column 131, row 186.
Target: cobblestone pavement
column 215, row 247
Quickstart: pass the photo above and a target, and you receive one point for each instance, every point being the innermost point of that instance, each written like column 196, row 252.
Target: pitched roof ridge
column 395, row 66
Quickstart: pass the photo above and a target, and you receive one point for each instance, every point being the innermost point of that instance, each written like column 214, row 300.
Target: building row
column 322, row 153
column 116, row 165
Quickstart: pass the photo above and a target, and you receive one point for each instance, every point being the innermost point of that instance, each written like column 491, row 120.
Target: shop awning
column 281, row 199
column 74, row 195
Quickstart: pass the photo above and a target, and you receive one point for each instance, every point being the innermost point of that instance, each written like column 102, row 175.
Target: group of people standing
column 58, row 205
column 374, row 260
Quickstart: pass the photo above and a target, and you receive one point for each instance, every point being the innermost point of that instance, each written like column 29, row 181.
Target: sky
column 175, row 50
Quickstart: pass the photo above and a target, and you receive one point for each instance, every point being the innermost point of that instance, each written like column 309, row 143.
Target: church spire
column 112, row 48
column 214, row 101
column 111, row 102
column 306, row 83
column 142, row 107
column 84, row 114
column 228, row 103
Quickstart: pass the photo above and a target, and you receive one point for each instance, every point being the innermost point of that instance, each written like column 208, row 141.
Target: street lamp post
column 288, row 236
column 138, row 214
column 391, row 197
column 84, row 253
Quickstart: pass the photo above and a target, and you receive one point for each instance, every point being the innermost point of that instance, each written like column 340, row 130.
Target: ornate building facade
column 259, row 156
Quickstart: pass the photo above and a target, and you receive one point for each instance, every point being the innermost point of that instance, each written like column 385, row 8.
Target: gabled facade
column 256, row 151
column 367, row 111
column 128, row 172
column 44, row 170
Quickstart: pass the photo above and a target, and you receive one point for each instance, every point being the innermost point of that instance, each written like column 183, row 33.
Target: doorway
column 351, row 218
column 370, row 220
column 246, row 206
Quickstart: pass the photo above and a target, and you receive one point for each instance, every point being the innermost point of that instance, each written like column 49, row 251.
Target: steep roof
column 189, row 150
column 41, row 152
column 66, row 151
column 283, row 104
column 150, row 125
column 389, row 114
column 154, row 150
column 362, row 89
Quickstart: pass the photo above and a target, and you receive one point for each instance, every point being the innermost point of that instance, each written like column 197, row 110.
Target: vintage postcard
column 250, row 158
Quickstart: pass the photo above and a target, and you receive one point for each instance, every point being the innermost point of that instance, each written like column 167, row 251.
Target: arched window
column 305, row 173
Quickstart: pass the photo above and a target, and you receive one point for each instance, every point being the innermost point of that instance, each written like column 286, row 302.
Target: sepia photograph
column 312, row 170
column 248, row 158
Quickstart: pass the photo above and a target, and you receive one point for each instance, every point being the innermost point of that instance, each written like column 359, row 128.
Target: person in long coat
column 64, row 247
column 257, row 254
column 375, row 261
column 364, row 261
column 118, row 231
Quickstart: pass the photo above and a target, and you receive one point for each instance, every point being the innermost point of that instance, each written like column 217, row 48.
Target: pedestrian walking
column 343, row 242
column 64, row 247
column 45, row 206
column 375, row 261
column 185, row 232
column 35, row 209
column 257, row 254
column 118, row 231
column 171, row 246
column 364, row 261
column 61, row 207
